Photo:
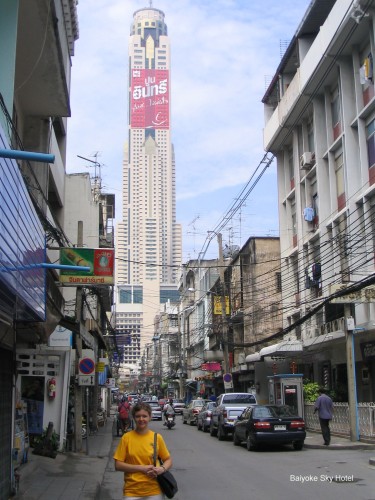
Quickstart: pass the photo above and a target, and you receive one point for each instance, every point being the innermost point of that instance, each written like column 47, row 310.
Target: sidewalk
column 78, row 476
column 315, row 440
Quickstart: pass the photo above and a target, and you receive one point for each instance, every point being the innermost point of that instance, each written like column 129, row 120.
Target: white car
column 156, row 411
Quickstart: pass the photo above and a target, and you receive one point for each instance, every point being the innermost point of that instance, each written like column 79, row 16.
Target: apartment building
column 319, row 124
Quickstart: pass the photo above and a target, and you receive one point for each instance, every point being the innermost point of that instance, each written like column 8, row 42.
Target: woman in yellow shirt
column 135, row 457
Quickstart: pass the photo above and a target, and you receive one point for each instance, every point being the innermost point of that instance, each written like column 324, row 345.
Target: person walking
column 324, row 407
column 124, row 414
column 134, row 457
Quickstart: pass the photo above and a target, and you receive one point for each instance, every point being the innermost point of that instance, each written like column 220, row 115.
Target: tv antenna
column 96, row 183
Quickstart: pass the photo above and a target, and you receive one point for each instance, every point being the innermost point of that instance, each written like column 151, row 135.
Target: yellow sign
column 217, row 305
column 100, row 367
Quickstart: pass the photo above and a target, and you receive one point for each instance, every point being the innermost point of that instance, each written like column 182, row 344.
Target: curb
column 336, row 447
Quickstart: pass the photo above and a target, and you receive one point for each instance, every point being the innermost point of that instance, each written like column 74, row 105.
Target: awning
column 328, row 337
column 287, row 347
column 253, row 357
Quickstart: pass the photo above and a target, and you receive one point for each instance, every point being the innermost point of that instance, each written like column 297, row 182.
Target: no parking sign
column 228, row 381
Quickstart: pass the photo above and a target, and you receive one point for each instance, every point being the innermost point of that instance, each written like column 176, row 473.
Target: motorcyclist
column 168, row 410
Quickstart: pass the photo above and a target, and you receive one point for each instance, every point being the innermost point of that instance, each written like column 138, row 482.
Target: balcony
column 45, row 43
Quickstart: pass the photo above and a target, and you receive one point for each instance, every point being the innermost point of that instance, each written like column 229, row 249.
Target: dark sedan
column 269, row 424
column 204, row 416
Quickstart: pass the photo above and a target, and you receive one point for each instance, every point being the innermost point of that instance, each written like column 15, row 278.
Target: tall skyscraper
column 148, row 239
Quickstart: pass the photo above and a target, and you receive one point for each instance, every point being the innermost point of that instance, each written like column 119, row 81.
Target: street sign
column 86, row 366
column 228, row 381
column 110, row 382
column 86, row 380
column 100, row 367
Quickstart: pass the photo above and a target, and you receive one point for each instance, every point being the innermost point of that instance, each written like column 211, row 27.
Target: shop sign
column 211, row 367
column 99, row 260
column 368, row 350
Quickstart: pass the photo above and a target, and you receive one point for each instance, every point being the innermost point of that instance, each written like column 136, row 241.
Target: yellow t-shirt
column 138, row 449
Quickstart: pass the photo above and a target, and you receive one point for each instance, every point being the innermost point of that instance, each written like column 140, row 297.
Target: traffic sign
column 100, row 367
column 86, row 380
column 228, row 382
column 86, row 366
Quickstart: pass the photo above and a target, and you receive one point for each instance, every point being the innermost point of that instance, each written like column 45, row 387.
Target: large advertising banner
column 149, row 100
column 100, row 261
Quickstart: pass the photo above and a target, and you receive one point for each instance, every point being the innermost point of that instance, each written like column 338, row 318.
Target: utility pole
column 351, row 374
column 223, row 306
column 77, row 387
column 181, row 354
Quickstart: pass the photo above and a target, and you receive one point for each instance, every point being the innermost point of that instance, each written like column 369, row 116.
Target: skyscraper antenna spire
column 150, row 3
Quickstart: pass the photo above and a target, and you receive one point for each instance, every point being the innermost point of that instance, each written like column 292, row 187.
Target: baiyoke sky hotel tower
column 148, row 239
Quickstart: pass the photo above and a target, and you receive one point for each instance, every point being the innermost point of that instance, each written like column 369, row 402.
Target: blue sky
column 223, row 53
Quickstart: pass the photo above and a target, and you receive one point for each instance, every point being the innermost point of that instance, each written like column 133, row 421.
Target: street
column 205, row 467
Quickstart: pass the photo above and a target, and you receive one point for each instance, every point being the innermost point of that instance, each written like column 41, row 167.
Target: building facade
column 148, row 239
column 320, row 122
column 36, row 49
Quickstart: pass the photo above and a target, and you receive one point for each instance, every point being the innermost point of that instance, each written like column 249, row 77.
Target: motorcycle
column 170, row 421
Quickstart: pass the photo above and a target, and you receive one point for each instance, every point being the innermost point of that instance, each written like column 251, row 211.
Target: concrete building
column 148, row 239
column 36, row 49
column 319, row 124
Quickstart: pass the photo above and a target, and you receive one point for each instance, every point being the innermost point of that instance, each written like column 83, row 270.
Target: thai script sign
column 100, row 261
column 368, row 350
column 149, row 99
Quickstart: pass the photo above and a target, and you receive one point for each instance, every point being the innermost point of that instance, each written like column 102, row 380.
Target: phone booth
column 287, row 389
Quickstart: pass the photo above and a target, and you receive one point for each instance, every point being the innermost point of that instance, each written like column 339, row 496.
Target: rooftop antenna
column 97, row 179
column 151, row 4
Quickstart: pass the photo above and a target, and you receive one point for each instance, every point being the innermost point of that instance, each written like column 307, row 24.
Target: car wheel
column 183, row 420
column 213, row 431
column 250, row 443
column 298, row 445
column 221, row 433
column 191, row 422
column 236, row 441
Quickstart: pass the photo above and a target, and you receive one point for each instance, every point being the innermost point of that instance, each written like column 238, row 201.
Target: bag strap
column 155, row 445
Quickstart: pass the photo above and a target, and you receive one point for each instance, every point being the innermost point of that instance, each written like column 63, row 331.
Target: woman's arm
column 166, row 465
column 124, row 467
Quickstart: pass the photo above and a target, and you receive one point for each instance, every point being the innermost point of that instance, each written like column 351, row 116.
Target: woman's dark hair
column 141, row 406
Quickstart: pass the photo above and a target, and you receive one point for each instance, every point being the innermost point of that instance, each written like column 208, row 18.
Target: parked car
column 189, row 414
column 269, row 424
column 156, row 411
column 204, row 416
column 178, row 405
column 229, row 406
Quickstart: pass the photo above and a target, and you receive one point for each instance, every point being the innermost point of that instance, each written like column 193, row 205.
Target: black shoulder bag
column 166, row 481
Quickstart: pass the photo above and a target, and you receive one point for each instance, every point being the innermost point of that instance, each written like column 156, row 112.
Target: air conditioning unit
column 307, row 160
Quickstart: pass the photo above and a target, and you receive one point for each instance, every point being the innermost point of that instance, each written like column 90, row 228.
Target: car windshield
column 239, row 399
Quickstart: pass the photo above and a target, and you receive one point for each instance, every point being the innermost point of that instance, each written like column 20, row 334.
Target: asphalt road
column 207, row 468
